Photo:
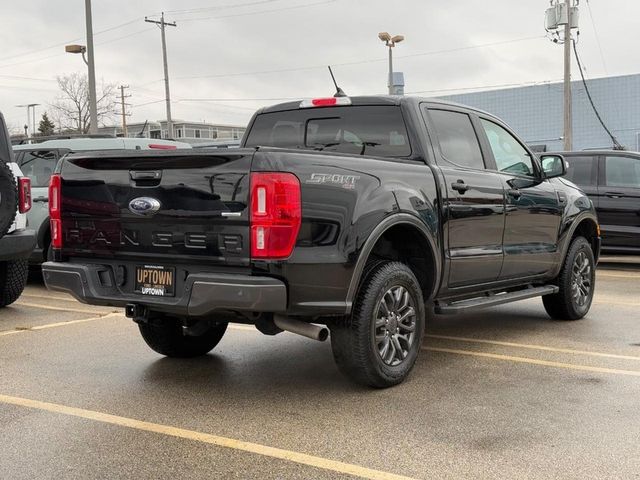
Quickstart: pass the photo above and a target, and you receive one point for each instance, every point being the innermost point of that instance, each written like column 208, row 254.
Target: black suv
column 611, row 179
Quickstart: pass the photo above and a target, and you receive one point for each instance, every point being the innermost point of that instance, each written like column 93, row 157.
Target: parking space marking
column 240, row 445
column 59, row 324
column 59, row 309
column 600, row 273
column 46, row 296
column 533, row 361
column 534, row 347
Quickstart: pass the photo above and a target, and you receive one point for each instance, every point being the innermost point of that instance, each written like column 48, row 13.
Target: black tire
column 8, row 198
column 13, row 279
column 571, row 302
column 358, row 350
column 166, row 338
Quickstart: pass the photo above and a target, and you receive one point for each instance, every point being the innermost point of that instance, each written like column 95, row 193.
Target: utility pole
column 162, row 24
column 563, row 15
column 93, row 99
column 568, row 127
column 124, row 109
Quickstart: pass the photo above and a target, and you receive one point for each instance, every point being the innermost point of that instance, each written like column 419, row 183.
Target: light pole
column 29, row 117
column 390, row 42
column 93, row 106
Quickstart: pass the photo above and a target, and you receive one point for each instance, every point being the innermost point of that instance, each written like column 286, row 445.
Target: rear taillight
column 325, row 102
column 276, row 213
column 55, row 197
column 24, row 194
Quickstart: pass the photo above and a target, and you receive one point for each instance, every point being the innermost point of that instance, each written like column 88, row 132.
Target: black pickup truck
column 349, row 215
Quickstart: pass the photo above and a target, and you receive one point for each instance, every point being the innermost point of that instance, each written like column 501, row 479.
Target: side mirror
column 553, row 165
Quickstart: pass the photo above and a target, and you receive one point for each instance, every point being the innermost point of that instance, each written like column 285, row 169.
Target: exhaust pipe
column 309, row 330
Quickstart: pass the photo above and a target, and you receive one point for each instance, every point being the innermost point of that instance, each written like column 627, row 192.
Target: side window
column 510, row 155
column 582, row 170
column 622, row 172
column 458, row 141
column 38, row 165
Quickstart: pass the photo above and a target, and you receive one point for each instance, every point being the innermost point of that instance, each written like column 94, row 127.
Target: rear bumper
column 17, row 244
column 202, row 293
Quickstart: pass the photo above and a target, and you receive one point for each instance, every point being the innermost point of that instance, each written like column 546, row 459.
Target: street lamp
column 93, row 107
column 390, row 41
column 77, row 49
column 29, row 113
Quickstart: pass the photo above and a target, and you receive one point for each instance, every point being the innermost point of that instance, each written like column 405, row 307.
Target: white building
column 191, row 132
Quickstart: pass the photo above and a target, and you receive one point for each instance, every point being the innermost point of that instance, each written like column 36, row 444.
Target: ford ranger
column 349, row 216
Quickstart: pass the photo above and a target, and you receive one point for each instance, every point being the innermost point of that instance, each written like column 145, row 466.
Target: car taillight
column 55, row 197
column 276, row 213
column 24, row 194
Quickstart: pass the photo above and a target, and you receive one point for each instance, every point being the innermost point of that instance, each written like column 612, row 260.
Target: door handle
column 614, row 194
column 514, row 193
column 460, row 186
column 40, row 199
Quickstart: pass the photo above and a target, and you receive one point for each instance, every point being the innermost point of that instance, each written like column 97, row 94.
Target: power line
column 219, row 7
column 616, row 144
column 358, row 62
column 259, row 12
column 595, row 31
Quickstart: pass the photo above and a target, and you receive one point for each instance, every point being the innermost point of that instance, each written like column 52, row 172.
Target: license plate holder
column 155, row 280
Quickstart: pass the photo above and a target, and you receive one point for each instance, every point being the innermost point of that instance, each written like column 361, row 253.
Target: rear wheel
column 379, row 344
column 576, row 283
column 13, row 278
column 165, row 337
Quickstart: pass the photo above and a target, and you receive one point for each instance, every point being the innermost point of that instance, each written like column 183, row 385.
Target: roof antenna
column 339, row 91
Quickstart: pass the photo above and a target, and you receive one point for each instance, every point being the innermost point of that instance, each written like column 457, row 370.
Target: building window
column 197, row 133
column 179, row 133
column 154, row 133
column 214, row 134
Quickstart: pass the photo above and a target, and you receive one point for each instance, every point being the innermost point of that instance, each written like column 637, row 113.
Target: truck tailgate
column 169, row 207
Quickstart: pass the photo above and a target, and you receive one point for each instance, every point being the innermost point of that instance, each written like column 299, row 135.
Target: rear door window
column 38, row 165
column 582, row 170
column 622, row 172
column 457, row 138
column 361, row 130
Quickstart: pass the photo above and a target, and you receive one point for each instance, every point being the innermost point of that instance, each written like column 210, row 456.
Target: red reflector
column 24, row 194
column 276, row 214
column 159, row 146
column 55, row 210
column 324, row 102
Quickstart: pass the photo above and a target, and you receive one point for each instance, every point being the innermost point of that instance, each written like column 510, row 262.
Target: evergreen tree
column 46, row 126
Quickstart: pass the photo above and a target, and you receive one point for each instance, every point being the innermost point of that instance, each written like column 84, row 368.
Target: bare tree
column 72, row 106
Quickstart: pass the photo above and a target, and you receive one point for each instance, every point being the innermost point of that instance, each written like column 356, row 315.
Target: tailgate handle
column 146, row 175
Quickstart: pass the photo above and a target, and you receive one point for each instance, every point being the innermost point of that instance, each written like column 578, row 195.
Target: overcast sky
column 227, row 57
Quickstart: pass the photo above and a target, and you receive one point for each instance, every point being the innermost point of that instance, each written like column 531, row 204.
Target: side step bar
column 493, row 299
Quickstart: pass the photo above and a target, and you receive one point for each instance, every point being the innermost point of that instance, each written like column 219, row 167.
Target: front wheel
column 379, row 344
column 576, row 282
column 166, row 337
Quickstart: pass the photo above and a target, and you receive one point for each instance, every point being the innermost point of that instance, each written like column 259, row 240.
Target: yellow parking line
column 534, row 361
column 534, row 347
column 58, row 309
column 46, row 296
column 617, row 275
column 256, row 448
column 58, row 324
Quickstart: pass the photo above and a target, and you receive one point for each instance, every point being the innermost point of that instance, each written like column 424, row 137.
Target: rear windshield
column 370, row 130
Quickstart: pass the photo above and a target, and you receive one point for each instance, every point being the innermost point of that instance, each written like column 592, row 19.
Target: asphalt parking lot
column 506, row 393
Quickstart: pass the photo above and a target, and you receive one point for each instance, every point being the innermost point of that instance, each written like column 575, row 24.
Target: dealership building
column 535, row 112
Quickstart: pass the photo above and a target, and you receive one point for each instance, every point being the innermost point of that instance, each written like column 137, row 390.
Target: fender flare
column 43, row 231
column 374, row 236
column 582, row 216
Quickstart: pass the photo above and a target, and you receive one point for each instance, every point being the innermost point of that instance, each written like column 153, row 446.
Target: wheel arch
column 389, row 241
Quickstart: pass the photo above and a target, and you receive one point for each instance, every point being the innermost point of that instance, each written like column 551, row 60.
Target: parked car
column 346, row 213
column 16, row 241
column 611, row 179
column 38, row 161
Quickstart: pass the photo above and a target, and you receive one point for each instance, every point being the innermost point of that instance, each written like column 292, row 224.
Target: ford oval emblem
column 144, row 206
